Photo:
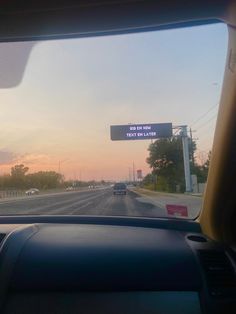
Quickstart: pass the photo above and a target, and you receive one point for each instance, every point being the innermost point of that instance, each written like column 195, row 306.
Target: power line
column 207, row 136
column 208, row 130
column 202, row 125
column 203, row 115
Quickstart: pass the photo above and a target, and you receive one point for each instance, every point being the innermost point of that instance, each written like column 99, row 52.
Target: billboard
column 140, row 131
column 139, row 174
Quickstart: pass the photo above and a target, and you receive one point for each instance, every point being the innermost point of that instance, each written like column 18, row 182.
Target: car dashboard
column 113, row 265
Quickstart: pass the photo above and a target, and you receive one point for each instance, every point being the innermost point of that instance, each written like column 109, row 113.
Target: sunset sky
column 73, row 90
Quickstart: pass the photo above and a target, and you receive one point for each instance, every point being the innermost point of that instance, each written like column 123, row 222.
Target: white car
column 69, row 188
column 32, row 191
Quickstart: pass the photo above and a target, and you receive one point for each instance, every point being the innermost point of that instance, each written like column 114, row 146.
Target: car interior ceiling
column 86, row 264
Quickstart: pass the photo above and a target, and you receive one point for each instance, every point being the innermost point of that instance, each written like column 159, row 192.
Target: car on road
column 32, row 191
column 119, row 188
column 69, row 188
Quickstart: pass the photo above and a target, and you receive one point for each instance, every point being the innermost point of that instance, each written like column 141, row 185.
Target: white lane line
column 44, row 196
column 61, row 208
column 79, row 203
column 81, row 207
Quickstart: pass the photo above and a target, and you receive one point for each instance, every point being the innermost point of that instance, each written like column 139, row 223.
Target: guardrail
column 11, row 193
column 4, row 194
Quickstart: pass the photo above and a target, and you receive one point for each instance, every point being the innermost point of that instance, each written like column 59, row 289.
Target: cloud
column 10, row 158
column 35, row 162
column 7, row 158
column 34, row 159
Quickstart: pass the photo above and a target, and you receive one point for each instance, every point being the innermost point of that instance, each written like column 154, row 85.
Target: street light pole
column 129, row 174
column 59, row 164
column 133, row 172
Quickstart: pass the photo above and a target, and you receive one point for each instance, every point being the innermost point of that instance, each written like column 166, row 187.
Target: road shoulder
column 192, row 204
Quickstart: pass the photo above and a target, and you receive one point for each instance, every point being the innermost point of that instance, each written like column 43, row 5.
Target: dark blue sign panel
column 141, row 131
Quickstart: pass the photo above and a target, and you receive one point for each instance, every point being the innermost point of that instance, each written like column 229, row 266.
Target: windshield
column 136, row 109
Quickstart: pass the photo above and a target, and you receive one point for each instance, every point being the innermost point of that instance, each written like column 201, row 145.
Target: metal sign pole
column 184, row 136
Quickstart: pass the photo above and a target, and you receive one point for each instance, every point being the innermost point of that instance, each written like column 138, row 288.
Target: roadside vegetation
column 167, row 167
column 21, row 179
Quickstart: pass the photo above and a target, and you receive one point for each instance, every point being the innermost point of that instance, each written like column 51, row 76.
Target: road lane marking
column 64, row 208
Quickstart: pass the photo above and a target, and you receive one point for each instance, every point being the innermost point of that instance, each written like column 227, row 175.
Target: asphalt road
column 90, row 202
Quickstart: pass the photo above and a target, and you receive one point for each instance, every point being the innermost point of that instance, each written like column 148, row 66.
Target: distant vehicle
column 119, row 188
column 130, row 185
column 32, row 191
column 69, row 188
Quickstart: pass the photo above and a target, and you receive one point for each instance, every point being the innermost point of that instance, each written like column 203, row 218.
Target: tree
column 202, row 171
column 19, row 171
column 5, row 181
column 44, row 179
column 149, row 181
column 207, row 162
column 166, row 161
column 18, row 175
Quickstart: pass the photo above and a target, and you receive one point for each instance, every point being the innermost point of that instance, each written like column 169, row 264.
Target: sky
column 58, row 118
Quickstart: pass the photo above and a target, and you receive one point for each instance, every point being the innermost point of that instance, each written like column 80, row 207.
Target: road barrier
column 11, row 193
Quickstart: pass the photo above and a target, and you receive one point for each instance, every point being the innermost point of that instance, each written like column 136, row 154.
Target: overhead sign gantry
column 140, row 131
column 148, row 131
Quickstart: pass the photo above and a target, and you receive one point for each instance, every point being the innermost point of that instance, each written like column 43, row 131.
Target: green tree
column 201, row 171
column 166, row 161
column 18, row 175
column 19, row 170
column 149, row 181
column 5, row 181
column 207, row 162
column 44, row 179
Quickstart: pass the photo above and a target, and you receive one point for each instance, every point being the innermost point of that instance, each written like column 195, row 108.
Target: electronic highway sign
column 140, row 131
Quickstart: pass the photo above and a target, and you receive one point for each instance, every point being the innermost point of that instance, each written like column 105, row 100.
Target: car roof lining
column 31, row 20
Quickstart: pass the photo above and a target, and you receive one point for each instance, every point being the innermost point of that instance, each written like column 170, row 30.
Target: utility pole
column 129, row 174
column 59, row 164
column 133, row 172
column 184, row 136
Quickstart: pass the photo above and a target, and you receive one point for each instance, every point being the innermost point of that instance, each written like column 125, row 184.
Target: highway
column 87, row 202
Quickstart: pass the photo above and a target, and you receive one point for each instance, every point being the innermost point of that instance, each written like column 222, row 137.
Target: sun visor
column 39, row 20
column 13, row 61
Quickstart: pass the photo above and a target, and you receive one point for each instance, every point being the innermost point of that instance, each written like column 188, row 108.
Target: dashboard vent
column 219, row 273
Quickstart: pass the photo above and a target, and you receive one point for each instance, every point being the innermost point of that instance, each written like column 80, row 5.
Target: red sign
column 177, row 210
column 139, row 174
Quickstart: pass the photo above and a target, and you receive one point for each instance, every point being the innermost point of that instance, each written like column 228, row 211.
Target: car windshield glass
column 80, row 115
column 119, row 186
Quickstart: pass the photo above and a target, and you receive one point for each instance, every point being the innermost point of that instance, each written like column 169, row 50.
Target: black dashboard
column 113, row 265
